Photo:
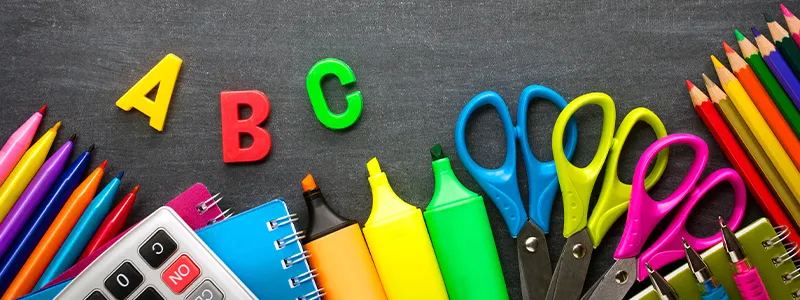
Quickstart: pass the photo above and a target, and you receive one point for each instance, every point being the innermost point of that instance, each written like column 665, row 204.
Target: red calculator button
column 180, row 274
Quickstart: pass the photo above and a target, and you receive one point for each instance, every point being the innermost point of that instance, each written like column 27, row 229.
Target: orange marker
column 56, row 234
column 338, row 251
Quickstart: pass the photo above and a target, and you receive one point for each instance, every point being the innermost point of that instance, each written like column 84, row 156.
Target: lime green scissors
column 577, row 184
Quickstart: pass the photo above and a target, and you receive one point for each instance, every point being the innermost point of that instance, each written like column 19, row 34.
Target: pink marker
column 16, row 145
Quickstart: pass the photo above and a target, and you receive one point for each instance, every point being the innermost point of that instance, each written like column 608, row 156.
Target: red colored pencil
column 738, row 158
column 112, row 224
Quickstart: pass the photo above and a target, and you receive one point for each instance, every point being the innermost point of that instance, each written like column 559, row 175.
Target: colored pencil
column 82, row 232
column 775, row 210
column 54, row 237
column 785, row 44
column 38, row 224
column 34, row 194
column 19, row 141
column 112, row 224
column 793, row 23
column 758, row 127
column 779, row 67
column 25, row 170
column 747, row 78
column 741, row 99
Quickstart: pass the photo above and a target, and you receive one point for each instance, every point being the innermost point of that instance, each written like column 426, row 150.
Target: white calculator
column 161, row 258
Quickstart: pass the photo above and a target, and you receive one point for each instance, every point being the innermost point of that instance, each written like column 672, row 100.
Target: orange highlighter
column 56, row 234
column 400, row 245
column 336, row 248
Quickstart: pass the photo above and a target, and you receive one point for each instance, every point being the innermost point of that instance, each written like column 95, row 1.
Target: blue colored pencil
column 777, row 64
column 40, row 221
column 83, row 231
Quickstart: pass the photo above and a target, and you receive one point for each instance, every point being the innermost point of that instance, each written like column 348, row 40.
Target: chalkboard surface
column 417, row 63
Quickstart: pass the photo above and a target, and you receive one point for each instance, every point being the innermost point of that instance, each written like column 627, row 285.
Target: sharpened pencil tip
column 755, row 31
column 727, row 48
column 738, row 34
column 73, row 137
column 689, row 84
column 768, row 18
column 119, row 176
column 786, row 11
column 716, row 62
column 43, row 110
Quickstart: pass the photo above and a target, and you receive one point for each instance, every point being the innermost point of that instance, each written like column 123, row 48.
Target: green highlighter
column 462, row 237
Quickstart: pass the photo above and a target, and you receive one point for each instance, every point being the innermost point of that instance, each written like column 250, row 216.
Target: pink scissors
column 645, row 213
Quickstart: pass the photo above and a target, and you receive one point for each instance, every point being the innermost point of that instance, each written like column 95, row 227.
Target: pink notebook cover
column 185, row 205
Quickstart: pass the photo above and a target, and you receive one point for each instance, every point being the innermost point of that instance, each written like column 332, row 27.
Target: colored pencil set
column 754, row 115
column 51, row 215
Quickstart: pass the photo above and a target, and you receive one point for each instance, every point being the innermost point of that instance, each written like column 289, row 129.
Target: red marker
column 112, row 224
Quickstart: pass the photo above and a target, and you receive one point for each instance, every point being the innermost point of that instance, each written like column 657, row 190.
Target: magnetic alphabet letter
column 338, row 68
column 163, row 75
column 232, row 126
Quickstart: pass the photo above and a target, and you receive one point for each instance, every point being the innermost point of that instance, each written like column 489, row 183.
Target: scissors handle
column 615, row 194
column 577, row 183
column 500, row 184
column 669, row 247
column 542, row 180
column 645, row 213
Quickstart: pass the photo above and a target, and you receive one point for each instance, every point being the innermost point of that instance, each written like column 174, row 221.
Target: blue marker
column 83, row 231
column 41, row 219
column 709, row 287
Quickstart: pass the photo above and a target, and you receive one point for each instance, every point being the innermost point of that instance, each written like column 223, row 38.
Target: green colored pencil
column 776, row 92
column 785, row 44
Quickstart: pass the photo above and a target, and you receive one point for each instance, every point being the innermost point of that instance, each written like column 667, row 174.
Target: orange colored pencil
column 56, row 234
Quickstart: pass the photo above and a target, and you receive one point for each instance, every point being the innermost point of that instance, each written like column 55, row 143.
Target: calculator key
column 123, row 281
column 158, row 249
column 180, row 274
column 206, row 291
column 149, row 293
column 96, row 295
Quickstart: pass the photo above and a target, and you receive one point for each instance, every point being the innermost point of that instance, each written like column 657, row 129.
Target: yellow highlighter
column 400, row 245
column 26, row 168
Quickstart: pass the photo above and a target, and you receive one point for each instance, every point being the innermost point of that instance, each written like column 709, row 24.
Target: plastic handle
column 542, row 180
column 615, row 195
column 750, row 285
column 715, row 293
column 501, row 183
column 577, row 183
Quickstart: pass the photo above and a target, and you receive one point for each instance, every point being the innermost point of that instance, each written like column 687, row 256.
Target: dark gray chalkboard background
column 417, row 64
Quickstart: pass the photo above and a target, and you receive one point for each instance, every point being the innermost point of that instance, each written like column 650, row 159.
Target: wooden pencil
column 770, row 83
column 761, row 99
column 759, row 128
column 785, row 44
column 736, row 155
column 793, row 23
column 780, row 69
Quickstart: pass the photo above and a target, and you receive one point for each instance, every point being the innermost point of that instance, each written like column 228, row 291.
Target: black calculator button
column 96, row 295
column 158, row 249
column 206, row 291
column 123, row 281
column 149, row 293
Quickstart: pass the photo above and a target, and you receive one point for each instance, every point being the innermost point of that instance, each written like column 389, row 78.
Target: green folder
column 753, row 238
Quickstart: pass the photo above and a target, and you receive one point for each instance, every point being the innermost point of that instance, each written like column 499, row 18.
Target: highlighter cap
column 447, row 190
column 386, row 205
column 322, row 220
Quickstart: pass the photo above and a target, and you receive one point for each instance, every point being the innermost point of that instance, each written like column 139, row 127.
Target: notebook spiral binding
column 792, row 251
column 287, row 262
column 204, row 206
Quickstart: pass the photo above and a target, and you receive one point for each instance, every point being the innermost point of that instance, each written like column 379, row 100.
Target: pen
column 54, row 236
column 662, row 287
column 38, row 223
column 746, row 276
column 26, row 168
column 19, row 141
column 337, row 249
column 83, row 230
column 112, row 224
column 33, row 195
column 710, row 289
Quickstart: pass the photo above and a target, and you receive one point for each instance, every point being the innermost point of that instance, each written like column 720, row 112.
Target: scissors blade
column 571, row 269
column 615, row 283
column 534, row 262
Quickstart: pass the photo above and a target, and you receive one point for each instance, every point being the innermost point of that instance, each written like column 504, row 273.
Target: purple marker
column 34, row 194
column 777, row 64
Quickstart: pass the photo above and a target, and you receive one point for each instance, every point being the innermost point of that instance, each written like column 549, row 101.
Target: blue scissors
column 502, row 187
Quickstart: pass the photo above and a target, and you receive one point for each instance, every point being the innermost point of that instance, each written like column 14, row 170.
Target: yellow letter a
column 163, row 75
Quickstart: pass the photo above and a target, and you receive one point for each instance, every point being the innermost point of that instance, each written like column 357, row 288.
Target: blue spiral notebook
column 262, row 247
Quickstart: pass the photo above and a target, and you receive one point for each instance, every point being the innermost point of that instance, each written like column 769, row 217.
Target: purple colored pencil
column 777, row 64
column 33, row 194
